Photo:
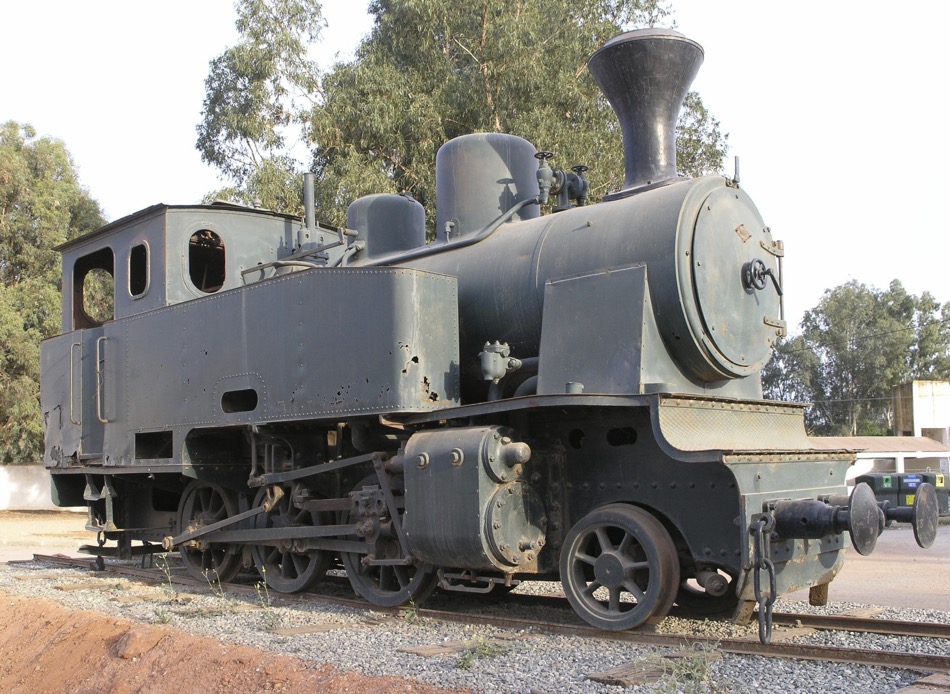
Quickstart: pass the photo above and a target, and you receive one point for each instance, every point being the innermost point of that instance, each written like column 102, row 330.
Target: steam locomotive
column 573, row 396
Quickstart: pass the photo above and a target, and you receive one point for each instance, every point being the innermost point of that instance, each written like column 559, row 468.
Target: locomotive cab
column 158, row 257
column 164, row 255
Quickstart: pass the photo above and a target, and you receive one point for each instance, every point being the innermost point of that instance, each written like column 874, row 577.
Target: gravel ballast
column 489, row 660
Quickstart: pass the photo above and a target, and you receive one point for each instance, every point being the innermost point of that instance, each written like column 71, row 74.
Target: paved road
column 23, row 533
column 898, row 573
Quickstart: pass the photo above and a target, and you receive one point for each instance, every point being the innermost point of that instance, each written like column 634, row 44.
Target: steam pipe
column 483, row 234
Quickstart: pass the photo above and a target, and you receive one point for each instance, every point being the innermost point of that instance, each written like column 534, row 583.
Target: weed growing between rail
column 691, row 672
column 480, row 650
column 166, row 569
column 410, row 613
column 270, row 620
column 263, row 595
column 215, row 585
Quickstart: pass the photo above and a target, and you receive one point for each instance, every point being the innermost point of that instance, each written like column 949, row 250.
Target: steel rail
column 890, row 627
column 858, row 656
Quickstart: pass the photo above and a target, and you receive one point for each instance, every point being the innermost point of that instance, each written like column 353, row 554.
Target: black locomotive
column 570, row 396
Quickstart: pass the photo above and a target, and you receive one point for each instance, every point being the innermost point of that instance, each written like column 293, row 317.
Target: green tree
column 855, row 346
column 429, row 71
column 41, row 206
column 787, row 375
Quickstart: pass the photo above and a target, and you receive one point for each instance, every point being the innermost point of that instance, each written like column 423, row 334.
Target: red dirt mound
column 46, row 648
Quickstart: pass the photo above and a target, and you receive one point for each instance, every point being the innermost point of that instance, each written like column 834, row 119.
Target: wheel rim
column 388, row 585
column 619, row 568
column 282, row 568
column 202, row 504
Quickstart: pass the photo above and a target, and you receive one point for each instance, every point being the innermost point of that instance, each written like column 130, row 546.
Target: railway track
column 780, row 648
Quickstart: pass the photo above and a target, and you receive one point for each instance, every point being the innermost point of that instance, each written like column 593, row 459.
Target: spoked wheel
column 619, row 568
column 283, row 568
column 695, row 599
column 387, row 585
column 202, row 504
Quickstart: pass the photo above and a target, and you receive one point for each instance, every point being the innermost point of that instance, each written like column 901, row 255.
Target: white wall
column 931, row 405
column 25, row 488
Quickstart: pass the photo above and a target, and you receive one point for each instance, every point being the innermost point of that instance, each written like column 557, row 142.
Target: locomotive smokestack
column 645, row 75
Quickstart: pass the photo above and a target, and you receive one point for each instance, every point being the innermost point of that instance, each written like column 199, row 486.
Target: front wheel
column 619, row 568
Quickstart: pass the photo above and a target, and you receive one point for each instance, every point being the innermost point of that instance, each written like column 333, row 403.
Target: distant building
column 922, row 408
column 922, row 428
column 889, row 453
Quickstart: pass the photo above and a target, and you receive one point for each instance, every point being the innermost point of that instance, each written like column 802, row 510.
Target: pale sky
column 835, row 109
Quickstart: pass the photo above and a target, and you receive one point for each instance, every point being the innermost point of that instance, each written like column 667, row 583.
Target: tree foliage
column 429, row 71
column 855, row 346
column 258, row 88
column 41, row 206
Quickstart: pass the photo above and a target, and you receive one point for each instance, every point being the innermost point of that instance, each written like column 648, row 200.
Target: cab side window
column 206, row 261
column 94, row 289
column 138, row 270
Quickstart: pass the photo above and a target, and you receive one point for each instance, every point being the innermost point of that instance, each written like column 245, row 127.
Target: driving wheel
column 391, row 584
column 284, row 566
column 202, row 504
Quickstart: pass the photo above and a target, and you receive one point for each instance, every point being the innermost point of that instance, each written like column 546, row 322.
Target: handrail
column 100, row 371
column 72, row 396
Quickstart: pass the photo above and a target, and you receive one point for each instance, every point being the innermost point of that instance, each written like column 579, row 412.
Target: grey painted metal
column 502, row 280
column 276, row 351
column 481, row 176
column 72, row 394
column 310, row 210
column 250, row 238
column 467, row 504
column 645, row 75
column 689, row 424
column 614, row 351
column 387, row 223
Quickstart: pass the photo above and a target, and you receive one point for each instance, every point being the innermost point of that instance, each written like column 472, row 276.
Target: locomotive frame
column 571, row 397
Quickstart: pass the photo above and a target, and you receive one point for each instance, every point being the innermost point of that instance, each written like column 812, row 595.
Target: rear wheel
column 619, row 568
column 202, row 504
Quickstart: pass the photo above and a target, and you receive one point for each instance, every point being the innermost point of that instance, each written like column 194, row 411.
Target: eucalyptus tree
column 429, row 70
column 856, row 344
column 42, row 205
